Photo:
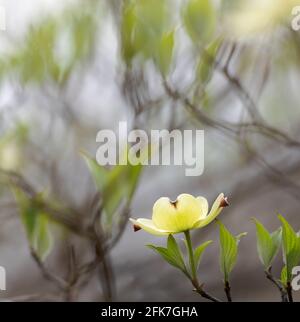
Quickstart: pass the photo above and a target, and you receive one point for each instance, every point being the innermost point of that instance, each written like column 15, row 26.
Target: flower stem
column 281, row 289
column 227, row 290
column 289, row 292
column 191, row 255
column 193, row 277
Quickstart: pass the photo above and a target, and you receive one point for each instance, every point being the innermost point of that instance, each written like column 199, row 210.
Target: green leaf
column 174, row 251
column 127, row 32
column 144, row 23
column 165, row 52
column 199, row 17
column 43, row 241
column 228, row 250
column 205, row 65
column 28, row 214
column 291, row 247
column 164, row 252
column 267, row 244
column 277, row 237
column 172, row 254
column 199, row 251
column 36, row 224
column 99, row 173
column 38, row 57
column 283, row 276
column 116, row 185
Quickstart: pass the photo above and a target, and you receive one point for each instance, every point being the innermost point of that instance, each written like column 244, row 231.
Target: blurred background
column 71, row 68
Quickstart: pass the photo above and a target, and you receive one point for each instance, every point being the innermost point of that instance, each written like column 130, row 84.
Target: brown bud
column 224, row 202
column 136, row 228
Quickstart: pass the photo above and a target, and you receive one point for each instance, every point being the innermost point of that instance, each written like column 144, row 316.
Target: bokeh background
column 71, row 68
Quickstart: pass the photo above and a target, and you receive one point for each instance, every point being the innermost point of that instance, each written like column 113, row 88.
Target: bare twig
column 289, row 291
column 227, row 290
column 60, row 283
column 270, row 277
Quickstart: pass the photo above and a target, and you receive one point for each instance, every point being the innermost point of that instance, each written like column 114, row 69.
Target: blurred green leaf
column 36, row 59
column 199, row 17
column 127, row 32
column 228, row 250
column 28, row 214
column 83, row 30
column 291, row 247
column 115, row 185
column 143, row 26
column 43, row 241
column 267, row 244
column 199, row 251
column 206, row 62
column 165, row 52
column 36, row 224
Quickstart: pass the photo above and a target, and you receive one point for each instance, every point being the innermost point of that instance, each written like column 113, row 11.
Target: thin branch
column 227, row 290
column 270, row 277
column 193, row 277
column 205, row 295
column 60, row 283
column 289, row 291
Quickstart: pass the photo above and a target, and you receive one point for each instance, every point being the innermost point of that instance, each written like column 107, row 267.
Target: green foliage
column 116, row 185
column 228, row 250
column 36, row 224
column 43, row 241
column 206, row 62
column 165, row 52
column 198, row 252
column 171, row 253
column 146, row 33
column 128, row 32
column 283, row 276
column 174, row 251
column 199, row 17
column 268, row 244
column 291, row 247
column 37, row 60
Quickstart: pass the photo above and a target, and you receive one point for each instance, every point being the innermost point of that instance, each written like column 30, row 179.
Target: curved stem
column 205, row 295
column 194, row 278
column 281, row 289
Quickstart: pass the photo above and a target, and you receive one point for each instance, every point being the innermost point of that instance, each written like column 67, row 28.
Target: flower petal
column 164, row 214
column 148, row 226
column 216, row 208
column 203, row 206
column 180, row 215
column 189, row 211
